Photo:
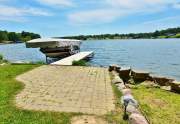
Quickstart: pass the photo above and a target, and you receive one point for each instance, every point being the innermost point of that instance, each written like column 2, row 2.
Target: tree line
column 168, row 33
column 6, row 36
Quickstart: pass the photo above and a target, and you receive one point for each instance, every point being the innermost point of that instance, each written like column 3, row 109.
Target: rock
column 124, row 74
column 168, row 88
column 118, row 68
column 149, row 84
column 137, row 119
column 121, row 86
column 126, row 91
column 131, row 81
column 111, row 68
column 132, row 109
column 140, row 76
column 117, row 80
column 131, row 86
column 163, row 81
column 113, row 73
column 114, row 67
column 175, row 87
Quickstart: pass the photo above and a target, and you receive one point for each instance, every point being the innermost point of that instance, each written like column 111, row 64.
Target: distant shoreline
column 107, row 40
column 9, row 43
column 136, row 39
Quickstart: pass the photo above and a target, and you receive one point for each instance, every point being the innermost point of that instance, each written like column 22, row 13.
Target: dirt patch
column 158, row 103
column 87, row 120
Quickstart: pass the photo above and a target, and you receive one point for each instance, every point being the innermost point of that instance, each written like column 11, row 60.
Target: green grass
column 79, row 63
column 116, row 117
column 9, row 114
column 160, row 106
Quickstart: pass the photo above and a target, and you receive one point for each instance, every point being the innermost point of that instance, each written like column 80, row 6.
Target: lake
column 157, row 56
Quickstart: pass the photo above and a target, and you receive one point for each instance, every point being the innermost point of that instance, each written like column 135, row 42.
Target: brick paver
column 67, row 89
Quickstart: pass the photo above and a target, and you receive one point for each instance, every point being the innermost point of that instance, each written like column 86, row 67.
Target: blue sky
column 52, row 18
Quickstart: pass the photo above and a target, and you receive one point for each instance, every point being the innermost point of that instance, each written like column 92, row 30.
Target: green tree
column 177, row 35
column 3, row 36
column 13, row 36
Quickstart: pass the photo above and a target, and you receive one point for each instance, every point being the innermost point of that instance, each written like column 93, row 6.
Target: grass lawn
column 9, row 114
column 116, row 117
column 160, row 106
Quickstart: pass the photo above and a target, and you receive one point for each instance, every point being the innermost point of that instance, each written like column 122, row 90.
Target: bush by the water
column 2, row 60
column 38, row 63
column 79, row 63
column 1, row 57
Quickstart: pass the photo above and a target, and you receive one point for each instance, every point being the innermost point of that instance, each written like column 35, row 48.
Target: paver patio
column 67, row 89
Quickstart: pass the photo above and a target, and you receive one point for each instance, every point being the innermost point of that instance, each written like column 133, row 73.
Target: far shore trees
column 5, row 36
column 168, row 33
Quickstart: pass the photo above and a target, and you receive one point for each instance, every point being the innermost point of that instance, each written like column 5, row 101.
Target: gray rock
column 117, row 80
column 126, row 91
column 132, row 109
column 114, row 67
column 163, row 81
column 137, row 119
column 121, row 86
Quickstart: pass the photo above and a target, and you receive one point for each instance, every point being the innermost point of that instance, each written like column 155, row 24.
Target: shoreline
column 8, row 43
column 136, row 39
column 141, row 71
column 110, row 39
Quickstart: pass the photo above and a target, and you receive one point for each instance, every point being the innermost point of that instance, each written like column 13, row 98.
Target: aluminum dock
column 76, row 57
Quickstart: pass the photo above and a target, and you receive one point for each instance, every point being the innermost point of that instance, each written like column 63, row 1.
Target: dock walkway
column 69, row 60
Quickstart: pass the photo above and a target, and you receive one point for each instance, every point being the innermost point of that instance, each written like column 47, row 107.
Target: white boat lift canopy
column 51, row 43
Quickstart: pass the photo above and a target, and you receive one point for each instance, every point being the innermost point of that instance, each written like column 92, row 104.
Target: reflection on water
column 160, row 57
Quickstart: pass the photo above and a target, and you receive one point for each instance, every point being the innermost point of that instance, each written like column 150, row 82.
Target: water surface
column 161, row 57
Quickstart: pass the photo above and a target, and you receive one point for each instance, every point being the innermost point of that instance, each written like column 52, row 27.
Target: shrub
column 79, row 63
column 36, row 63
column 1, row 57
column 40, row 63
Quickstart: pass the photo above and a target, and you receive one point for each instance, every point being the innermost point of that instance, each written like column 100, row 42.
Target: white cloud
column 161, row 20
column 13, row 19
column 95, row 16
column 177, row 5
column 114, row 9
column 57, row 2
column 17, row 14
column 138, row 4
